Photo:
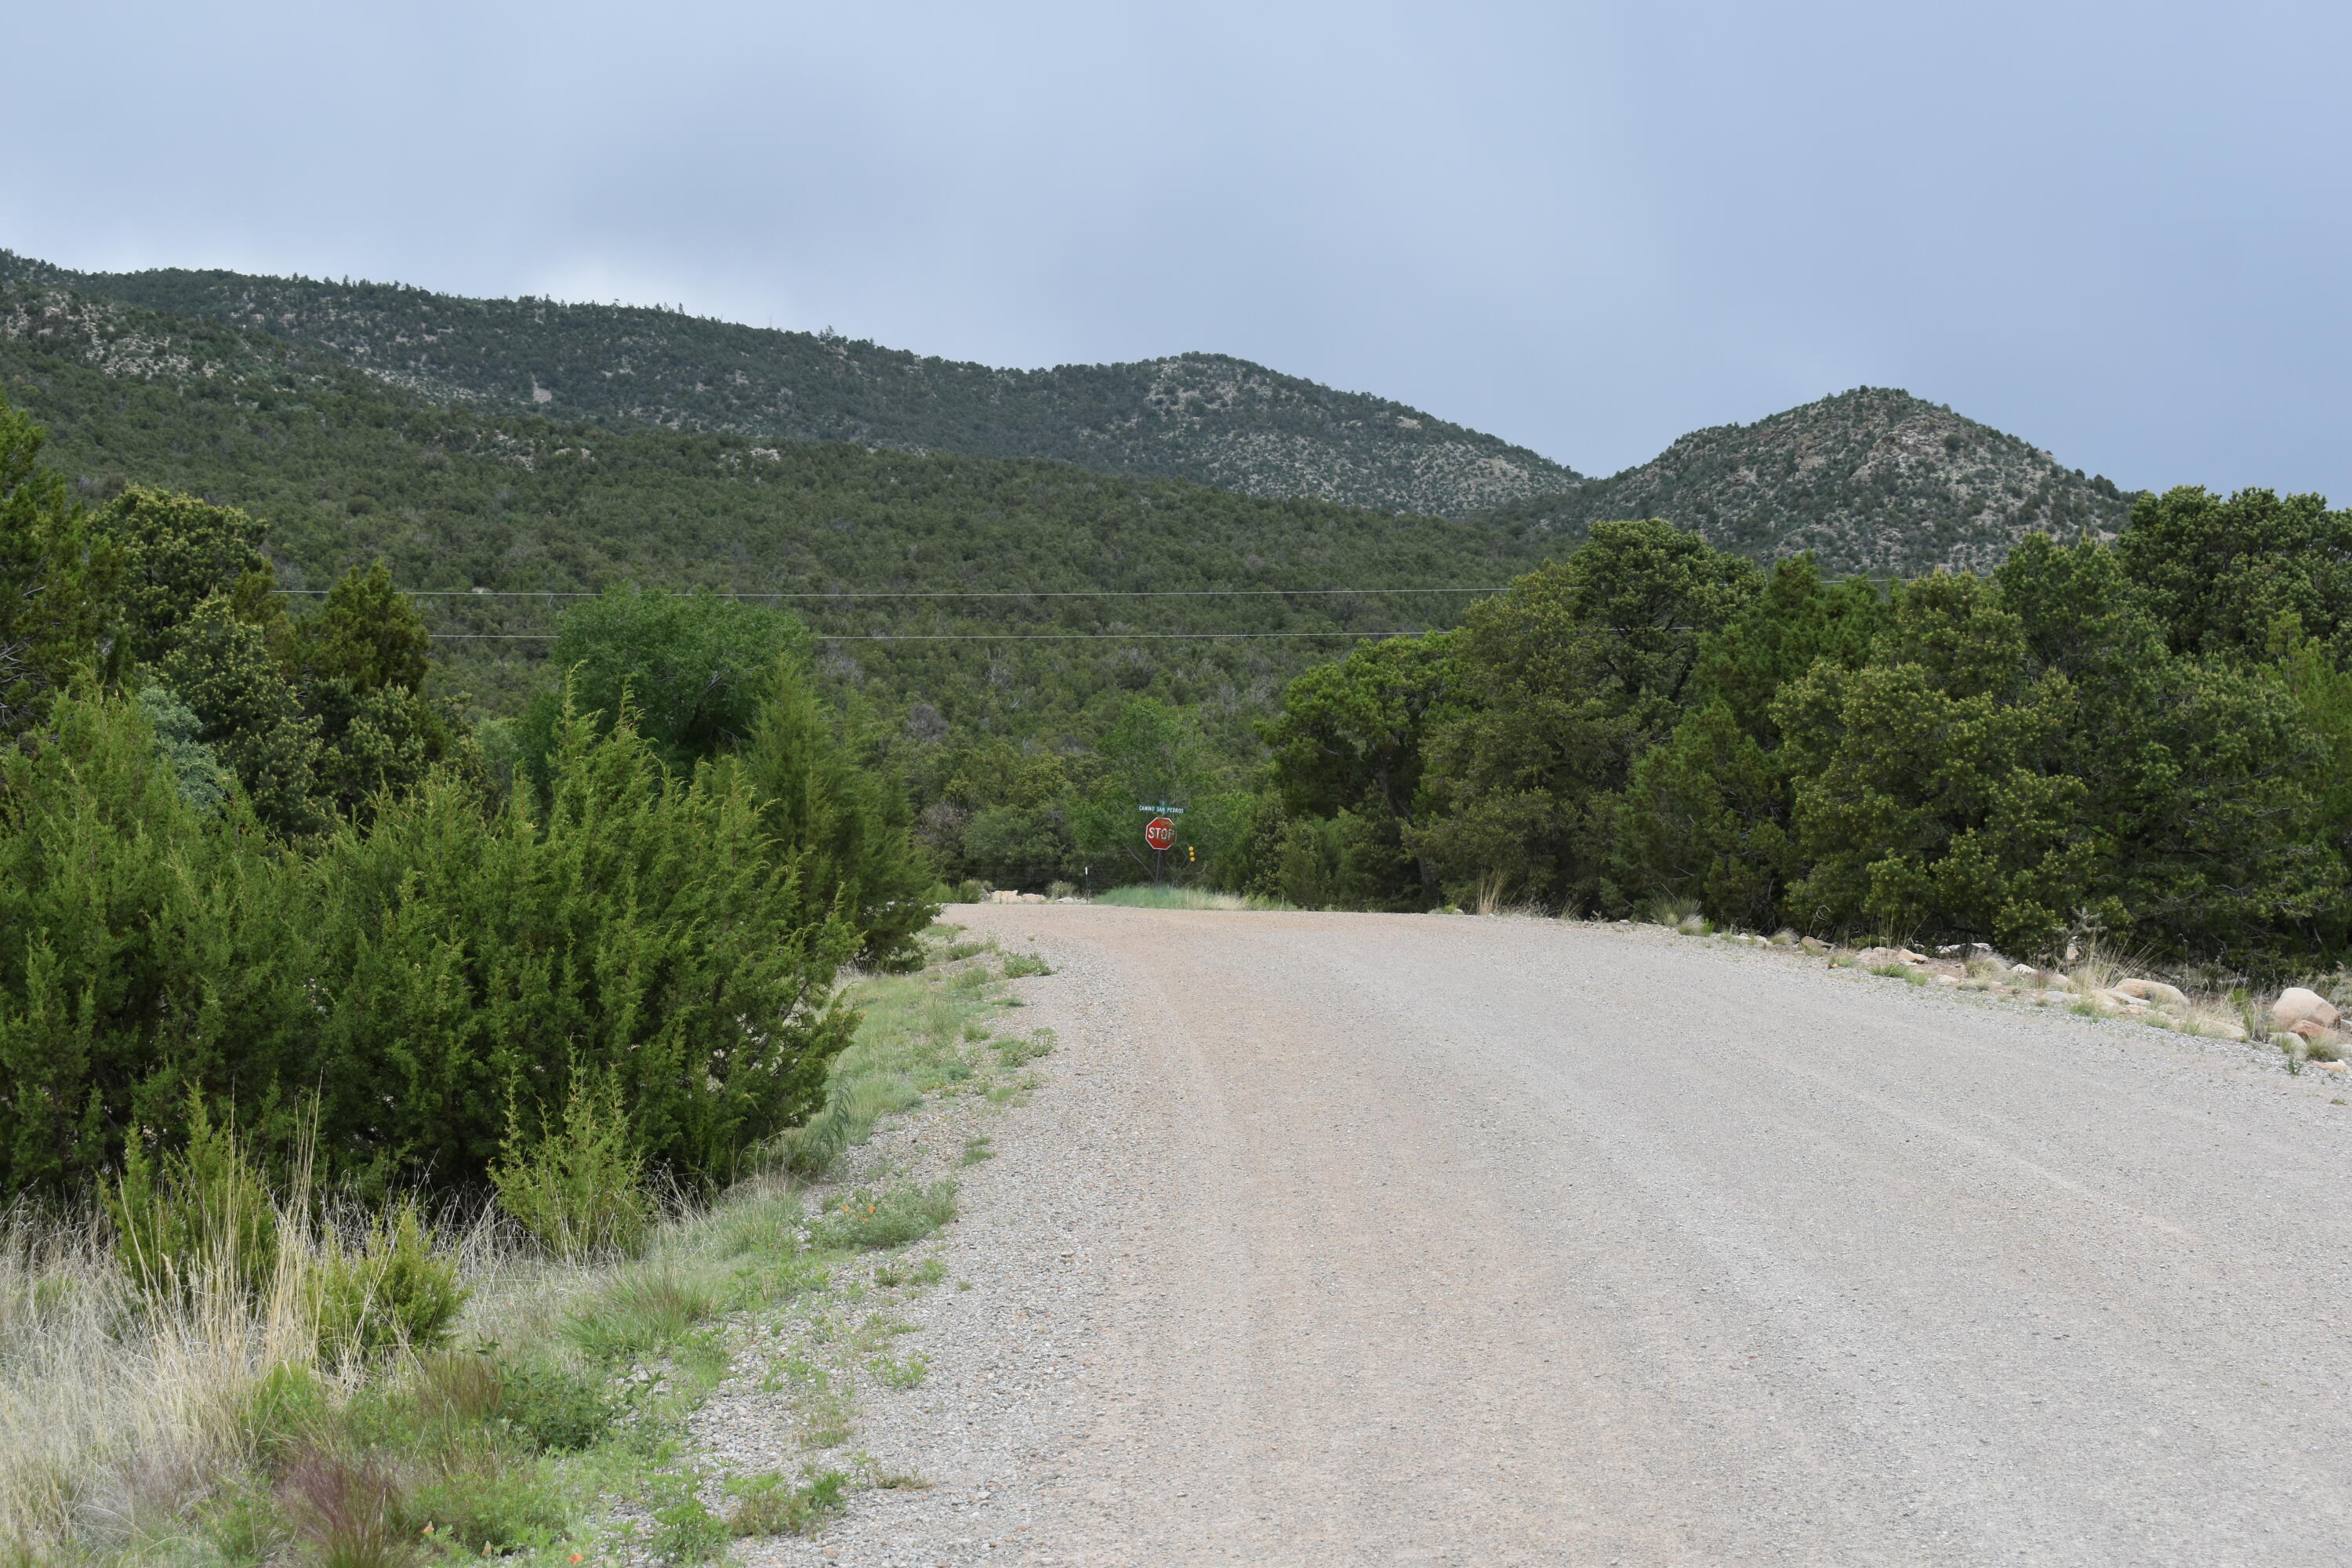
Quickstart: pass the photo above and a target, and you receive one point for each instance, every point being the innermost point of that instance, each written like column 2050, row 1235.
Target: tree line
column 2147, row 741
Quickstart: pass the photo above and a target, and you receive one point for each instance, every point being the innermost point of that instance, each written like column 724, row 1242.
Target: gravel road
column 1403, row 1239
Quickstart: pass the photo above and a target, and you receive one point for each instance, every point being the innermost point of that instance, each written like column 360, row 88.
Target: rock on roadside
column 2297, row 1005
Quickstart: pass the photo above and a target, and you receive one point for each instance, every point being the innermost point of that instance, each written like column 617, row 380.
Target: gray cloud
column 2111, row 228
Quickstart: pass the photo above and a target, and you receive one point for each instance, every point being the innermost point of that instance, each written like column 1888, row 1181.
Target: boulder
column 2296, row 1005
column 1005, row 896
column 2153, row 991
column 1813, row 944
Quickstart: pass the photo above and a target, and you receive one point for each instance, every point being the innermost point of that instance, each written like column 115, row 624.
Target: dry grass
column 1488, row 896
column 113, row 1409
column 119, row 1408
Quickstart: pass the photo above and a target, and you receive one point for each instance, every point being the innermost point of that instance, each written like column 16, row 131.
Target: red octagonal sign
column 1160, row 832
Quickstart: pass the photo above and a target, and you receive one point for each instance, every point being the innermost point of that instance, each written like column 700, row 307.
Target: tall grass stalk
column 117, row 1404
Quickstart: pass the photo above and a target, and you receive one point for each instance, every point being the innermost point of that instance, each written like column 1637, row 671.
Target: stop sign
column 1160, row 832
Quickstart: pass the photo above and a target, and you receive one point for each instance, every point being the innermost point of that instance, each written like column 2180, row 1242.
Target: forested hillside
column 346, row 470
column 1206, row 417
column 1873, row 481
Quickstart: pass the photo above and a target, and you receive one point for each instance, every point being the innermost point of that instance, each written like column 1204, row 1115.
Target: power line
column 957, row 636
column 894, row 594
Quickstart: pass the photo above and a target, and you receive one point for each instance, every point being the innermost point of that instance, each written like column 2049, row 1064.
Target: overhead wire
column 955, row 637
column 943, row 593
column 924, row 594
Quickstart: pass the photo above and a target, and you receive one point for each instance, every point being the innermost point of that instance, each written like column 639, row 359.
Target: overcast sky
column 2118, row 230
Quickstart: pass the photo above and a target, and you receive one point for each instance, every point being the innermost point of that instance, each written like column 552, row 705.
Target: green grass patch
column 911, row 1046
column 902, row 1373
column 896, row 1215
column 644, row 1313
column 1143, row 896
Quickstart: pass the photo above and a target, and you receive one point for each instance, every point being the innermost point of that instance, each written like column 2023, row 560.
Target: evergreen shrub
column 402, row 982
column 578, row 1187
column 393, row 1291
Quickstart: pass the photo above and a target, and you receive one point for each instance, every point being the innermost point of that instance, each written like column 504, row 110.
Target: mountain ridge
column 1208, row 417
column 1873, row 481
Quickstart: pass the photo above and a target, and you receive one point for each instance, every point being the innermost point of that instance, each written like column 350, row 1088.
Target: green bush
column 488, row 1508
column 892, row 1217
column 578, row 1188
column 55, row 577
column 393, row 1291
column 552, row 1407
column 685, row 1530
column 200, row 1217
column 395, row 982
column 151, row 955
column 645, row 933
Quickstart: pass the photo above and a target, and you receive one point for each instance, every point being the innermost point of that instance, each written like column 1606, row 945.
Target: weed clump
column 773, row 1505
column 1014, row 1052
column 685, row 1530
column 894, row 1216
column 487, row 1507
column 348, row 1510
column 551, row 1407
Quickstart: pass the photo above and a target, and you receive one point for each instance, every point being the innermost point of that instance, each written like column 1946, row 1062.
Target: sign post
column 1161, row 833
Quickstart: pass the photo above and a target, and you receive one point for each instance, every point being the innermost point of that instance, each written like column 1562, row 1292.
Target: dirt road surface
column 1400, row 1239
